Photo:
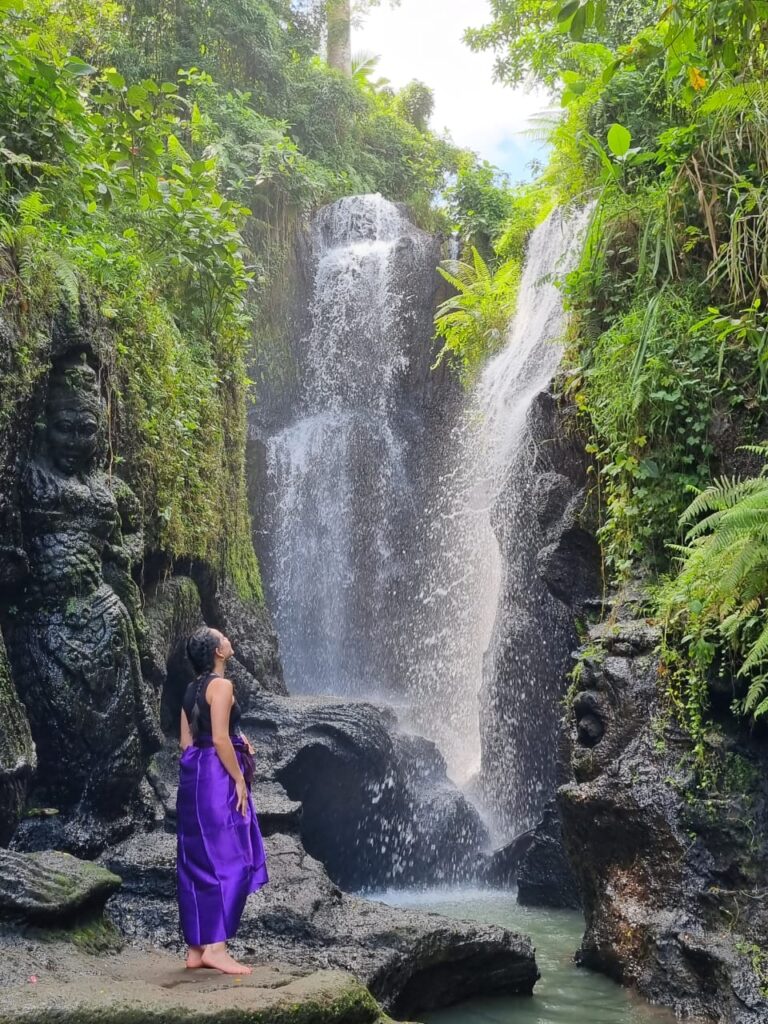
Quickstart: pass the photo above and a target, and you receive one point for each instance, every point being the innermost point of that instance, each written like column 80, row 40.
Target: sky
column 423, row 39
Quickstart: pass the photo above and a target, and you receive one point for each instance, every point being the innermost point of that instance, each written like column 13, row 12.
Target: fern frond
column 736, row 98
column 722, row 494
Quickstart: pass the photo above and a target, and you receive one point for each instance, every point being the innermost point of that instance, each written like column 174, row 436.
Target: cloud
column 423, row 39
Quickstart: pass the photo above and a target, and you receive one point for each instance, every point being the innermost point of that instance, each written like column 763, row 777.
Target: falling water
column 400, row 558
column 342, row 495
column 525, row 664
column 469, row 609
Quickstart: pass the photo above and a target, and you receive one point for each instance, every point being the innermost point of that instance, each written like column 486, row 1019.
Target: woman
column 220, row 852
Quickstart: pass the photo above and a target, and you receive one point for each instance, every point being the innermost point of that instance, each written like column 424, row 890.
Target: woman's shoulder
column 218, row 680
column 219, row 684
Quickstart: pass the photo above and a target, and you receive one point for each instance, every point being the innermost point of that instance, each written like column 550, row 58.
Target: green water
column 565, row 994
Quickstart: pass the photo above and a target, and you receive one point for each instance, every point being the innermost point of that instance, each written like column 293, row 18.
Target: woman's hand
column 242, row 796
column 248, row 745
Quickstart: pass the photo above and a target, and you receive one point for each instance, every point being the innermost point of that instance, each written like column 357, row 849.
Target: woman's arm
column 220, row 697
column 185, row 733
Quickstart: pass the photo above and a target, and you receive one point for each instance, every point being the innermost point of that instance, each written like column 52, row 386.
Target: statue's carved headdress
column 74, row 384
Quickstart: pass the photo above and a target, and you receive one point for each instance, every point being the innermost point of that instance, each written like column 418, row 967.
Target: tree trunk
column 339, row 35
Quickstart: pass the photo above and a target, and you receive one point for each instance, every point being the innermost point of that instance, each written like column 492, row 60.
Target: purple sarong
column 220, row 851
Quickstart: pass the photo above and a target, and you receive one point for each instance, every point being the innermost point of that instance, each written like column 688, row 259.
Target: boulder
column 51, row 887
column 377, row 807
column 409, row 960
column 154, row 988
column 544, row 874
column 500, row 868
column 672, row 872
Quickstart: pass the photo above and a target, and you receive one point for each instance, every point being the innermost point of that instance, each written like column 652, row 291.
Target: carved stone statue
column 71, row 636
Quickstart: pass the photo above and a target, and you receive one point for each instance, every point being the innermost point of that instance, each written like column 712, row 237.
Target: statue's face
column 72, row 438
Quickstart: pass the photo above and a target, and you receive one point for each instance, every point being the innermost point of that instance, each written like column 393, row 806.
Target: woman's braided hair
column 201, row 651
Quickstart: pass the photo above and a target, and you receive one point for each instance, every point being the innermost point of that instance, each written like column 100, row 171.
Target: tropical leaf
column 722, row 584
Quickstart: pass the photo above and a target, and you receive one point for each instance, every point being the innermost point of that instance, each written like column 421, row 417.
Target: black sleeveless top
column 196, row 691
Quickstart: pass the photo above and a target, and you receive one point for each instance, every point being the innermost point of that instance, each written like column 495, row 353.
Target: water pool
column 565, row 993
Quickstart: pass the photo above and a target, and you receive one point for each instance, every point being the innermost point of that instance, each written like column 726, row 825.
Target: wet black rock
column 500, row 868
column 410, row 961
column 544, row 874
column 145, row 863
column 377, row 807
column 249, row 626
column 51, row 887
column 547, row 582
column 672, row 870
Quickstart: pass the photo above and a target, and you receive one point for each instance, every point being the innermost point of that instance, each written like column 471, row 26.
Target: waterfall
column 525, row 664
column 342, row 494
column 401, row 549
column 460, row 642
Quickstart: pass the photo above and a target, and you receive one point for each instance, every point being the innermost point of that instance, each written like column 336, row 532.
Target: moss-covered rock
column 153, row 988
column 51, row 886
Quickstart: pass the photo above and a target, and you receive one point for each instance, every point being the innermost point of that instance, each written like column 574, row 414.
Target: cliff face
column 550, row 575
column 672, row 866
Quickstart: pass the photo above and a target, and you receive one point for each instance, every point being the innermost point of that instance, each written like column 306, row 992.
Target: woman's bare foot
column 217, row 957
column 195, row 957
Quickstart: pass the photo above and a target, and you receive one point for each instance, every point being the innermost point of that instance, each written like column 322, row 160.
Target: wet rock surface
column 151, row 987
column 673, row 877
column 410, row 961
column 546, row 583
column 377, row 807
column 51, row 887
column 544, row 874
column 501, row 867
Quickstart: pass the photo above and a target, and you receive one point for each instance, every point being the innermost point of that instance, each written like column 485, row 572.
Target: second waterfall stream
column 382, row 563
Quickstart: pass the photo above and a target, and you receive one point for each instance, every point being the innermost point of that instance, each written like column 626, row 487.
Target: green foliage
column 314, row 133
column 480, row 203
column 664, row 128
column 106, row 205
column 758, row 959
column 529, row 205
column 474, row 321
column 415, row 102
column 717, row 600
column 163, row 201
column 648, row 386
column 536, row 37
